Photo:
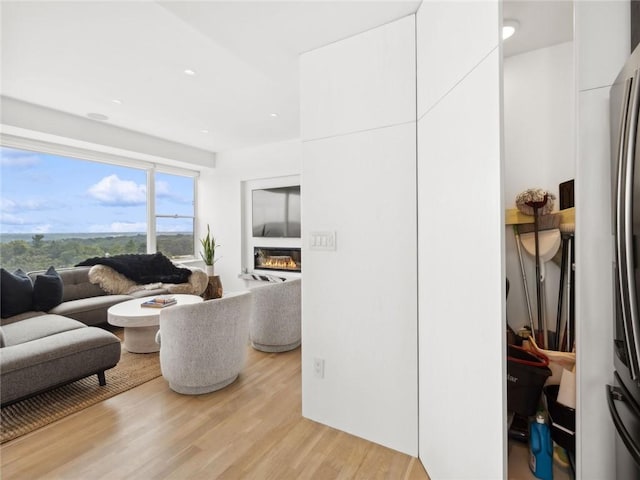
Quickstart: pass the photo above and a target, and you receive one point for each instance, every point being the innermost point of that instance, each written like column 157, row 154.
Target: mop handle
column 541, row 335
column 563, row 266
column 524, row 277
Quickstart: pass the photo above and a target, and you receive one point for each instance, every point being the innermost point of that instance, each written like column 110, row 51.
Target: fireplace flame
column 284, row 261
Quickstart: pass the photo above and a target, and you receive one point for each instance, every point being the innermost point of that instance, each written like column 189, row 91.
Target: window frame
column 151, row 168
column 151, row 237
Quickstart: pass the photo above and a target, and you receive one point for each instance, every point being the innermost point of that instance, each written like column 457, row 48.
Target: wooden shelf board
column 513, row 216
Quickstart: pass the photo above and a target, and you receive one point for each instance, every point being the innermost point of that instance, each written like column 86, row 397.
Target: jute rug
column 36, row 412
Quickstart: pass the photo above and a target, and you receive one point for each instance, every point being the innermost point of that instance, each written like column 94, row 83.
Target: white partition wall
column 460, row 226
column 359, row 184
column 602, row 47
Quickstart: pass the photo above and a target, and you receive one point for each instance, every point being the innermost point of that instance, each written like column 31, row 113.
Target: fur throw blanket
column 142, row 268
column 117, row 284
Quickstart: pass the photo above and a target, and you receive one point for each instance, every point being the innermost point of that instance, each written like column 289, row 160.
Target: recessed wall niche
column 271, row 218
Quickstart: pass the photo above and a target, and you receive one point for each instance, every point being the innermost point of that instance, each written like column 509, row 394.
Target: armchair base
column 186, row 390
column 275, row 348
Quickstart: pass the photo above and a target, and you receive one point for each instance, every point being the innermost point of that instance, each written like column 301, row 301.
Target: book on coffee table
column 160, row 302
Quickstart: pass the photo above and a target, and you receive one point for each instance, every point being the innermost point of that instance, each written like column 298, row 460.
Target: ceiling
column 541, row 24
column 78, row 57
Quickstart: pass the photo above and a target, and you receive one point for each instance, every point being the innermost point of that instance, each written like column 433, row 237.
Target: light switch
column 322, row 241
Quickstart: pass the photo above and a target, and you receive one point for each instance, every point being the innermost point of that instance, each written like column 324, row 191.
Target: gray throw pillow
column 47, row 290
column 16, row 290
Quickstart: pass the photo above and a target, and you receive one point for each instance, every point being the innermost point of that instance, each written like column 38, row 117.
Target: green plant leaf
column 209, row 246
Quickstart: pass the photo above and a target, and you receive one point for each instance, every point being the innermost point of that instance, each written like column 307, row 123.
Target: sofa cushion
column 77, row 284
column 65, row 344
column 16, row 292
column 88, row 304
column 47, row 290
column 1, row 337
column 56, row 359
column 21, row 316
column 37, row 327
column 91, row 310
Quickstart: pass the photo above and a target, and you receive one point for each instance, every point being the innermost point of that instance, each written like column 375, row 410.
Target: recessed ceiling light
column 509, row 27
column 97, row 116
column 116, row 101
column 204, row 130
column 189, row 72
column 274, row 115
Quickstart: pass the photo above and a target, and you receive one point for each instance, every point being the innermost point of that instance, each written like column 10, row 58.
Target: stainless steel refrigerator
column 624, row 395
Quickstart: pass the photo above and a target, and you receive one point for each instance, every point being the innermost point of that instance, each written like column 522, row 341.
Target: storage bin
column 562, row 419
column 526, row 373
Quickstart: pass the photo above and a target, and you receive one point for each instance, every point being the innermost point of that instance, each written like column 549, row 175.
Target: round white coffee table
column 142, row 323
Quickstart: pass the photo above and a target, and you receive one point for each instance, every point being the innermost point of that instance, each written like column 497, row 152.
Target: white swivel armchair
column 203, row 346
column 276, row 317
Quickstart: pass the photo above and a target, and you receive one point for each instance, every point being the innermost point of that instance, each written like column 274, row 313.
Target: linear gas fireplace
column 280, row 259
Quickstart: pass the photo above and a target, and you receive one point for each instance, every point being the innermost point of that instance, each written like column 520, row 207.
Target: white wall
column 539, row 119
column 602, row 47
column 539, row 144
column 358, row 180
column 220, row 199
column 460, row 225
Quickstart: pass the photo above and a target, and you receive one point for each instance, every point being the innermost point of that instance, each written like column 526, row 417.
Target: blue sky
column 42, row 193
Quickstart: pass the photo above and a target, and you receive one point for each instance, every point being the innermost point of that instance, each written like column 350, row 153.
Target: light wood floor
column 251, row 430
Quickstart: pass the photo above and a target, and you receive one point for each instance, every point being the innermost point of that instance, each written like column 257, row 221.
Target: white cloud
column 8, row 205
column 119, row 227
column 176, row 229
column 162, row 188
column 124, row 227
column 15, row 158
column 113, row 191
column 44, row 228
column 15, row 224
column 10, row 219
column 26, row 228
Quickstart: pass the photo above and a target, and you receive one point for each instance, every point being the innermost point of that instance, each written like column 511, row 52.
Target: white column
column 461, row 235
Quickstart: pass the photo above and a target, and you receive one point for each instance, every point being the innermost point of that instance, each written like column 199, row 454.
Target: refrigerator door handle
column 613, row 394
column 632, row 130
column 621, row 255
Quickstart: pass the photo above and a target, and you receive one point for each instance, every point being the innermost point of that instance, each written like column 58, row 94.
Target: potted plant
column 208, row 253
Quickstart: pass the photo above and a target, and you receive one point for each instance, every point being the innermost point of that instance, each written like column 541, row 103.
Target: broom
column 534, row 201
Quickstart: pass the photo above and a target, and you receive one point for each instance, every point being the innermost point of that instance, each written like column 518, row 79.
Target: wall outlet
column 318, row 367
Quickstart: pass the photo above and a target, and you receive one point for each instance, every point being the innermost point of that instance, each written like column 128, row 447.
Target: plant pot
column 214, row 288
column 209, row 270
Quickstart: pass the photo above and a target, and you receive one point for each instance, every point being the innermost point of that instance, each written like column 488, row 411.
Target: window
column 57, row 210
column 175, row 218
